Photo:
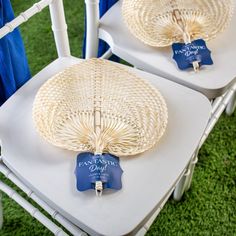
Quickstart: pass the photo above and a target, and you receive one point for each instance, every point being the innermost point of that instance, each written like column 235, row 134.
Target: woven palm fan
column 100, row 107
column 161, row 23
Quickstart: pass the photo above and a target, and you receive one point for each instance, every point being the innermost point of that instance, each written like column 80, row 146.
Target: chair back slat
column 59, row 26
column 92, row 13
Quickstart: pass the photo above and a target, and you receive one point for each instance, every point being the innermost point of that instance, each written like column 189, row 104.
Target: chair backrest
column 59, row 26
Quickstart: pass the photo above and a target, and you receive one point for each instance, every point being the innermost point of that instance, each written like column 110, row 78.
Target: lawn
column 208, row 208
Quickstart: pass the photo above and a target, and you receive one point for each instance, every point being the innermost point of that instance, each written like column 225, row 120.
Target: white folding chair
column 217, row 83
column 212, row 81
column 46, row 173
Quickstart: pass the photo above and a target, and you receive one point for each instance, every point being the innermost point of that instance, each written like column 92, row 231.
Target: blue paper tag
column 91, row 168
column 186, row 54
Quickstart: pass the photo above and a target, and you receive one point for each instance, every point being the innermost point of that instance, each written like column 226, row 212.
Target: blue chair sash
column 14, row 69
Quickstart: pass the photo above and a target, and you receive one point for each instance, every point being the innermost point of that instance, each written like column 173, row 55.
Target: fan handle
column 186, row 36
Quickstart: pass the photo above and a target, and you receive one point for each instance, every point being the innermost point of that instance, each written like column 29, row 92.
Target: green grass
column 209, row 208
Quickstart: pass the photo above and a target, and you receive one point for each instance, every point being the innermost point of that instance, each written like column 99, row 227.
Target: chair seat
column 147, row 178
column 212, row 81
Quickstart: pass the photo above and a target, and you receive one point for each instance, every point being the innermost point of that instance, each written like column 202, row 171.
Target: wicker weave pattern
column 152, row 21
column 133, row 114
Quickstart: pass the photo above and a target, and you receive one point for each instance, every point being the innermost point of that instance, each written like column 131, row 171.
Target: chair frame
column 59, row 29
column 225, row 102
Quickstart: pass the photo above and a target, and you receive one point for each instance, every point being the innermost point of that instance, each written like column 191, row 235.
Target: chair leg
column 191, row 168
column 180, row 187
column 231, row 105
column 185, row 182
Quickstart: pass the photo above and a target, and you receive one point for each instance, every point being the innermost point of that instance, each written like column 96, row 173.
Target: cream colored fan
column 100, row 107
column 160, row 23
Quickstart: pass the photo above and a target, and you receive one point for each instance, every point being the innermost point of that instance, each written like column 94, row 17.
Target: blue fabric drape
column 104, row 6
column 14, row 69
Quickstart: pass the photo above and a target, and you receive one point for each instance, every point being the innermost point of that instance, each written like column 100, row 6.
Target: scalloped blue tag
column 186, row 54
column 91, row 168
